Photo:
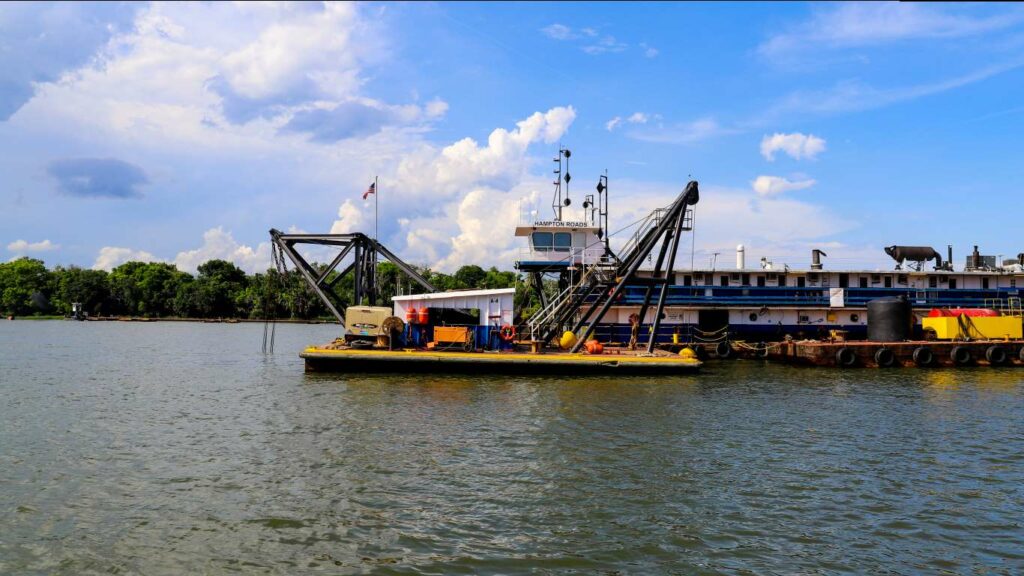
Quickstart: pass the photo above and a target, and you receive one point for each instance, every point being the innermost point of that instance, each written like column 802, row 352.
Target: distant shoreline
column 175, row 319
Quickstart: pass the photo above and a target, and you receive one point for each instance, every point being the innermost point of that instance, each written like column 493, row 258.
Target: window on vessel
column 952, row 283
column 984, row 283
column 863, row 281
column 901, row 279
column 753, row 317
column 724, row 280
column 1013, row 282
column 746, row 280
column 687, row 280
column 888, row 281
column 854, row 317
column 760, row 280
column 801, row 282
column 563, row 241
column 542, row 241
column 933, row 282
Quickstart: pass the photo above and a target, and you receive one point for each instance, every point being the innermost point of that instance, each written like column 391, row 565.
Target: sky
column 183, row 132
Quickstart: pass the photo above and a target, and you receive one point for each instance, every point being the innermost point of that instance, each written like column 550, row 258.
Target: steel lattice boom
column 364, row 250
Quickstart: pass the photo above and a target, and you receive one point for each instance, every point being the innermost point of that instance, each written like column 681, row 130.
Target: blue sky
column 182, row 132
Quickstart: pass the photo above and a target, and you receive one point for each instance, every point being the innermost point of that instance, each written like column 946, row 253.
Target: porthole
column 753, row 317
column 854, row 317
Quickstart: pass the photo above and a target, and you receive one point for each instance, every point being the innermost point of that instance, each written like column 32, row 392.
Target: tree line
column 219, row 289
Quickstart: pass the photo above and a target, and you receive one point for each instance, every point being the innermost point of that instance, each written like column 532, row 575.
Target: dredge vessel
column 631, row 304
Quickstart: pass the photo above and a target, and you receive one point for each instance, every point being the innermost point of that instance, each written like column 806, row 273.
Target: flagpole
column 376, row 199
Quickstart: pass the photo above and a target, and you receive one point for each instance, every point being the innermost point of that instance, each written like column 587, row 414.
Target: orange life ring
column 507, row 333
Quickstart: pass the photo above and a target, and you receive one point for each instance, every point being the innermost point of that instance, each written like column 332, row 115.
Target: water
column 167, row 448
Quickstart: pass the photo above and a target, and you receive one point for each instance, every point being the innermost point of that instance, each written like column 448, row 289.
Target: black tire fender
column 845, row 357
column 885, row 358
column 961, row 355
column 996, row 355
column 723, row 349
column 923, row 356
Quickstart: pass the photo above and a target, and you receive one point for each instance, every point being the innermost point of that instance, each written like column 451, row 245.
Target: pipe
column 816, row 259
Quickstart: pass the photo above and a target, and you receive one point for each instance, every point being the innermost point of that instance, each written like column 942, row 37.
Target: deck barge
column 322, row 359
column 920, row 354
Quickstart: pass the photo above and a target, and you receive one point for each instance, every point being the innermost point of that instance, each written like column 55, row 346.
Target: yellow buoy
column 568, row 340
column 687, row 353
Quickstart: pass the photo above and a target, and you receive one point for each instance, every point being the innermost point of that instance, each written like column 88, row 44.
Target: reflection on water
column 177, row 448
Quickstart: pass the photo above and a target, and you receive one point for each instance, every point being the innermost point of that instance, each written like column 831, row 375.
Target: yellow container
column 977, row 327
column 451, row 334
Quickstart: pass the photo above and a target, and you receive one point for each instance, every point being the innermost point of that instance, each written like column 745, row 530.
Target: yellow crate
column 978, row 327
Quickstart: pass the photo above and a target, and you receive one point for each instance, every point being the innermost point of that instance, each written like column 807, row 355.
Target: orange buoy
column 507, row 333
column 423, row 317
column 410, row 316
column 594, row 347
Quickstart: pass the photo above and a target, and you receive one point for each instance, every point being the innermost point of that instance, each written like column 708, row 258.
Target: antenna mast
column 557, row 203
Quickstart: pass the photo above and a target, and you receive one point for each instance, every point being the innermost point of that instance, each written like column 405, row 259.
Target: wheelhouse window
column 542, row 241
column 563, row 241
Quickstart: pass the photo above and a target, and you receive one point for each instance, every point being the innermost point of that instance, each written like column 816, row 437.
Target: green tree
column 147, row 288
column 74, row 284
column 25, row 285
column 469, row 276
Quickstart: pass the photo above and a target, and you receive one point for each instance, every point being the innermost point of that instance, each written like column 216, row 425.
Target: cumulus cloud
column 97, row 177
column 350, row 219
column 464, row 197
column 111, row 257
column 219, row 244
column 775, row 185
column 559, row 32
column 796, row 145
column 24, row 247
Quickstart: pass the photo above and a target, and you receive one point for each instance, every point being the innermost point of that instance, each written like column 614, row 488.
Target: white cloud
column 649, row 51
column 638, row 118
column 350, row 219
column 683, row 133
column 634, row 118
column 606, row 44
column 219, row 244
column 775, row 185
column 111, row 257
column 559, row 32
column 25, row 247
column 860, row 24
column 460, row 203
column 796, row 145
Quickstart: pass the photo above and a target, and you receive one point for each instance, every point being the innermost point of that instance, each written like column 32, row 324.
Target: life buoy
column 507, row 333
column 885, row 357
column 996, row 355
column 923, row 356
column 845, row 357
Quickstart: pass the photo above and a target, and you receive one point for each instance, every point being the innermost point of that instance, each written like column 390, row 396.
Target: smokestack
column 816, row 259
column 949, row 261
column 740, row 257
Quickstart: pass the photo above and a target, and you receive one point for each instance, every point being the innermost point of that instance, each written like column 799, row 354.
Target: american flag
column 371, row 190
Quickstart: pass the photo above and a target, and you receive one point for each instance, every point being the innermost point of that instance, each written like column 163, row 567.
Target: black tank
column 888, row 319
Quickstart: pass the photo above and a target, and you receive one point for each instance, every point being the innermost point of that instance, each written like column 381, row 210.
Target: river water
column 170, row 448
